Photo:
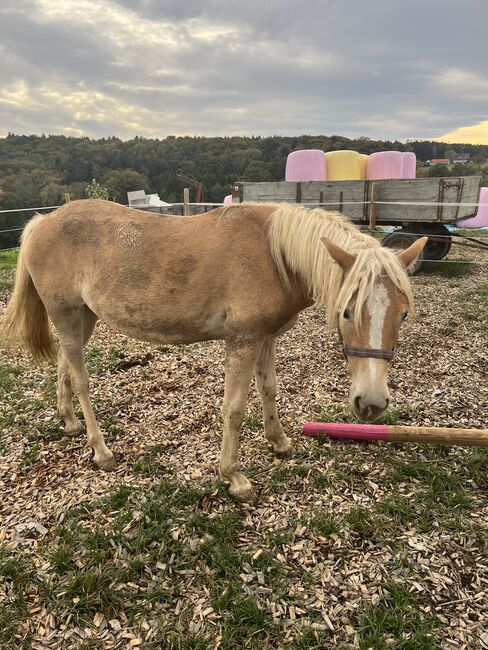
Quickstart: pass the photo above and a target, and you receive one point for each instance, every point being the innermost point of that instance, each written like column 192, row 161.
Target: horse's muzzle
column 369, row 410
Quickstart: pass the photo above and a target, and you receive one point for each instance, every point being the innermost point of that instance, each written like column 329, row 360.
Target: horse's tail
column 25, row 319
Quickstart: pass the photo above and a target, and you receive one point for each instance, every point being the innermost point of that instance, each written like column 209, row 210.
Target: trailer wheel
column 436, row 249
column 401, row 240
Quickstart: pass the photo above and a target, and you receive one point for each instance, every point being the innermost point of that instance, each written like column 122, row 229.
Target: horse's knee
column 79, row 383
column 233, row 414
column 268, row 392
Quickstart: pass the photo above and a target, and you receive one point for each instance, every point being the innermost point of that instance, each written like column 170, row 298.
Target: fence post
column 186, row 201
column 372, row 213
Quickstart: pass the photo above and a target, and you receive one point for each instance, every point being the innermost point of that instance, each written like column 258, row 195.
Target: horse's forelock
column 359, row 283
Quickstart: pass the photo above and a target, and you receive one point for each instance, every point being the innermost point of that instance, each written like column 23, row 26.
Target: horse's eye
column 347, row 314
column 405, row 315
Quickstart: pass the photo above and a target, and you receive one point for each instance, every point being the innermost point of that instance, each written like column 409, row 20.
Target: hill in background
column 38, row 170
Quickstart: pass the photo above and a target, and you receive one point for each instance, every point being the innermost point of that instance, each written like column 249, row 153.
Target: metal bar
column 49, row 207
column 12, row 230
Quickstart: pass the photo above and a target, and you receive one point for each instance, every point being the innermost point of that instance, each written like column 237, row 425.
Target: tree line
column 40, row 170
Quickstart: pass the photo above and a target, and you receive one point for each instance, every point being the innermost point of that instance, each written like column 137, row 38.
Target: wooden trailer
column 418, row 207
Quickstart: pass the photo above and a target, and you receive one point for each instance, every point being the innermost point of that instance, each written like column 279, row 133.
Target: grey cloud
column 325, row 66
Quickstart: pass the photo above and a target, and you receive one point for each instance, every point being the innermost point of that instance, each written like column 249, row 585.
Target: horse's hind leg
column 70, row 324
column 72, row 425
column 266, row 383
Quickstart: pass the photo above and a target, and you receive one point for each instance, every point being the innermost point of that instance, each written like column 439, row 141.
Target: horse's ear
column 342, row 257
column 410, row 254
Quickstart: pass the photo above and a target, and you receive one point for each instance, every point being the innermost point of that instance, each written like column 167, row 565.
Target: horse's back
column 189, row 277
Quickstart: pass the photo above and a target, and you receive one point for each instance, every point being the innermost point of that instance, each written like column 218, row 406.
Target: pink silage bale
column 409, row 165
column 305, row 165
column 384, row 165
column 480, row 220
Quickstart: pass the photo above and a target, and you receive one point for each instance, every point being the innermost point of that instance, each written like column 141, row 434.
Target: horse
column 241, row 274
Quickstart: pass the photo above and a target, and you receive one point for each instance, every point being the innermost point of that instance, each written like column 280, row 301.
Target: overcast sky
column 385, row 69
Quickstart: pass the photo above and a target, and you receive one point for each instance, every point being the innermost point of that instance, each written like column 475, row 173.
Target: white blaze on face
column 377, row 306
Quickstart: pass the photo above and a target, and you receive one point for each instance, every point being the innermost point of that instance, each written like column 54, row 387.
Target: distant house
column 461, row 158
column 439, row 161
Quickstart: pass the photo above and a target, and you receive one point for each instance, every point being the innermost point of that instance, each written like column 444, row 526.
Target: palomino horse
column 241, row 274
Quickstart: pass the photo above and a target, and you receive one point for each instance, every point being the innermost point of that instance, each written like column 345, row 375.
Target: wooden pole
column 186, row 201
column 67, row 198
column 436, row 435
column 372, row 213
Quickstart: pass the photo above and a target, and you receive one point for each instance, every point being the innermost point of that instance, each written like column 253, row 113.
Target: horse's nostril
column 357, row 403
column 387, row 402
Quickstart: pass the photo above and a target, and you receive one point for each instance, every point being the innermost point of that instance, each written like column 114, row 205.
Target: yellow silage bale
column 363, row 162
column 344, row 166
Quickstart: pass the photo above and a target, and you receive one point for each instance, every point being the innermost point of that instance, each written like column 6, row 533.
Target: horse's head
column 374, row 300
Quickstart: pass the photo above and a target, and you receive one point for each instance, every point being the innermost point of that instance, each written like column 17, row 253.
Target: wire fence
column 381, row 231
column 324, row 203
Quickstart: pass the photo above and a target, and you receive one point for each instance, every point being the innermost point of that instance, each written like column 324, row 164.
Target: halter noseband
column 364, row 353
column 367, row 353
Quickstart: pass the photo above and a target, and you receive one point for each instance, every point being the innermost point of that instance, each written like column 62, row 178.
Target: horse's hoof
column 246, row 494
column 284, row 449
column 73, row 431
column 107, row 464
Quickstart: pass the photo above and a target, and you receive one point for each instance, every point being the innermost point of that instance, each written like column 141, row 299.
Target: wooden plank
column 331, row 195
column 428, row 190
column 339, row 196
column 352, row 197
column 268, row 192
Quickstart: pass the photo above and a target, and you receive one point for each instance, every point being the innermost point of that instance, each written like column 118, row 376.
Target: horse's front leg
column 239, row 364
column 266, row 383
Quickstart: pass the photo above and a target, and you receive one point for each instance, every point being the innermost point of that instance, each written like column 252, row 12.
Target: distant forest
column 38, row 170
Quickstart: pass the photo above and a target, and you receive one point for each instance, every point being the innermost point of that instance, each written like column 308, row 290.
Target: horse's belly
column 164, row 329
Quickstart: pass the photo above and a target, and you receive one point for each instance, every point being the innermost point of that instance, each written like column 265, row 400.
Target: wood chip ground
column 161, row 408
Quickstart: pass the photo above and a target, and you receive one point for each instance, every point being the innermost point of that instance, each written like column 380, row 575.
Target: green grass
column 247, row 619
column 8, row 260
column 471, row 232
column 325, row 525
column 396, row 622
column 254, row 422
column 120, row 553
column 341, row 414
column 9, row 376
column 442, row 497
column 448, row 269
column 473, row 306
column 364, row 523
column 152, row 462
column 16, row 577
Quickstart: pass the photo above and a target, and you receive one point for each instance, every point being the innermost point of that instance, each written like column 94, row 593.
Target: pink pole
column 346, row 431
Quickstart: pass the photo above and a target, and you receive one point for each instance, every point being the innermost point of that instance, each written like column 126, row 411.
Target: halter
column 364, row 353
column 367, row 353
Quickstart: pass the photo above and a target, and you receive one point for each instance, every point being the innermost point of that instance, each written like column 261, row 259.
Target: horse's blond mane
column 294, row 236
